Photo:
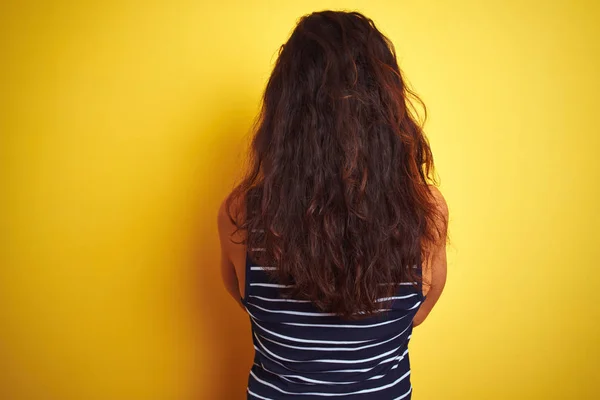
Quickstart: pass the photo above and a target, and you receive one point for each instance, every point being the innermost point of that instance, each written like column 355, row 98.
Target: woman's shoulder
column 439, row 199
column 230, row 216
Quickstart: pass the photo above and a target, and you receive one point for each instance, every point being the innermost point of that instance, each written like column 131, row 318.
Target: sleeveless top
column 302, row 353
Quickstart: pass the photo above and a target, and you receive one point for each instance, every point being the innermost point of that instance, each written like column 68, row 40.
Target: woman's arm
column 228, row 275
column 436, row 265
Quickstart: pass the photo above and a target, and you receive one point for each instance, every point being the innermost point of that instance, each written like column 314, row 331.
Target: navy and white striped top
column 302, row 353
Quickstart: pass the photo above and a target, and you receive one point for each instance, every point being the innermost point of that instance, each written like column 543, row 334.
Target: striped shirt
column 302, row 353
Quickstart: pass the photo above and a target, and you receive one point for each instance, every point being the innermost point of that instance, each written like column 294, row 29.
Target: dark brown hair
column 337, row 193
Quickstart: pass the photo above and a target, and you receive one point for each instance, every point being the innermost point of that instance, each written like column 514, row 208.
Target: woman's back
column 339, row 216
column 303, row 353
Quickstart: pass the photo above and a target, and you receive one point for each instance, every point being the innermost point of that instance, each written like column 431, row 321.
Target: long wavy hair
column 337, row 195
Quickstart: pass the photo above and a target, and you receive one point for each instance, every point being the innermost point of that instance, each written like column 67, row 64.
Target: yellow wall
column 121, row 129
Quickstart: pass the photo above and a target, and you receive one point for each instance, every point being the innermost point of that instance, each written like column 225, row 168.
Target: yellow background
column 122, row 126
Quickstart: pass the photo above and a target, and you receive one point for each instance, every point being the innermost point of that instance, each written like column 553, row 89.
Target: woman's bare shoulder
column 439, row 200
column 230, row 216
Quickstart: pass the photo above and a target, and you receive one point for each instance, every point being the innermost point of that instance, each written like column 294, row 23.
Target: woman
column 334, row 243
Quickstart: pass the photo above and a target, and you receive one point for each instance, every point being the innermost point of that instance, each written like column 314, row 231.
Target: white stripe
column 306, row 313
column 308, row 301
column 313, row 314
column 284, row 377
column 314, row 381
column 379, row 310
column 333, row 394
column 272, row 359
column 395, row 297
column 280, row 299
column 399, row 358
column 393, row 367
column 404, row 395
column 399, row 283
column 346, row 326
column 293, row 339
column 257, row 249
column 258, row 396
column 326, row 360
column 338, row 348
column 258, row 268
column 270, row 285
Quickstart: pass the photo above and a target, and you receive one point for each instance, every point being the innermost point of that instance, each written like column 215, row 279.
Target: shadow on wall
column 222, row 336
